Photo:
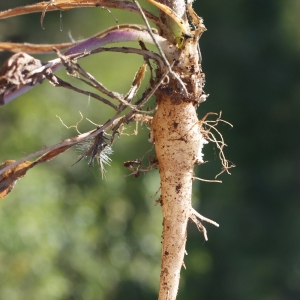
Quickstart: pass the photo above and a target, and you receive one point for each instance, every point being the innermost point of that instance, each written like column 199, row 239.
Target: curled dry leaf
column 16, row 71
column 9, row 178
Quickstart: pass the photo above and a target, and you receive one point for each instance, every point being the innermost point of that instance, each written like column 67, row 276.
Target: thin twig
column 57, row 82
column 73, row 67
column 146, row 53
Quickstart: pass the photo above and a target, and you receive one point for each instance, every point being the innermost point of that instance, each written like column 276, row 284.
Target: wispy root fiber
column 208, row 129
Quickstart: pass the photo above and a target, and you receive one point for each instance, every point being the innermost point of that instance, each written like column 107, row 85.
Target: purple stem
column 124, row 35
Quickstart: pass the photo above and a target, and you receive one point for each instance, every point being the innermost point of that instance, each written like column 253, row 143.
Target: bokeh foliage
column 68, row 234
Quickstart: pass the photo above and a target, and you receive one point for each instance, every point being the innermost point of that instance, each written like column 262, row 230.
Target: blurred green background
column 67, row 234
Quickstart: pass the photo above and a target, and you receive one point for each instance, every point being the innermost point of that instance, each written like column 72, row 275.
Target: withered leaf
column 9, row 178
column 15, row 72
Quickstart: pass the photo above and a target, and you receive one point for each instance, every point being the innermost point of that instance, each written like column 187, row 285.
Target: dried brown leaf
column 69, row 4
column 15, row 71
column 33, row 48
column 9, row 178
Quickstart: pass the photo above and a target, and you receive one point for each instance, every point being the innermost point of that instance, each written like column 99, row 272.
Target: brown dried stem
column 70, row 4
